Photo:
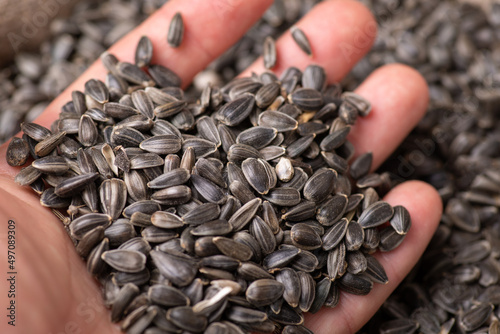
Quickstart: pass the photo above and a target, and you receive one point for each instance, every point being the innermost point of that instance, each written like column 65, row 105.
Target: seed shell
column 176, row 31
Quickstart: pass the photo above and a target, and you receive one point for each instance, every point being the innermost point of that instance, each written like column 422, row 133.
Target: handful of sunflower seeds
column 234, row 213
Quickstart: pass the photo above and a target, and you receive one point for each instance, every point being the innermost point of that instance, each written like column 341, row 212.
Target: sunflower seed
column 233, row 249
column 208, row 130
column 401, row 221
column 361, row 166
column 146, row 160
column 210, row 171
column 120, row 231
column 354, row 236
column 201, row 214
column 125, row 260
column 314, row 77
column 277, row 120
column 269, row 53
column 255, row 173
column 89, row 241
column 172, row 195
column 375, row 271
column 97, row 90
column 355, row 284
column 376, row 214
column 264, row 292
column 332, row 210
column 320, row 185
column 35, row 131
column 167, row 296
column 17, row 152
column 389, row 239
column 283, row 196
column 208, row 190
column 263, row 234
column 85, row 223
column 143, row 52
column 143, row 103
column 95, row 264
column 291, row 283
column 174, row 268
column 307, row 291
column 164, row 77
column 280, row 257
column 362, row 105
column 136, row 185
column 175, row 31
column 172, row 178
column 267, row 94
column 162, row 144
column 49, row 143
column 134, row 74
column 234, row 112
column 334, row 235
column 305, row 237
column 124, row 297
column 300, row 146
column 246, row 87
column 51, row 164
column 75, row 184
column 301, row 39
column 475, row 316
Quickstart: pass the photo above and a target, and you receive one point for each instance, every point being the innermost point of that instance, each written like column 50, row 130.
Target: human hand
column 57, row 295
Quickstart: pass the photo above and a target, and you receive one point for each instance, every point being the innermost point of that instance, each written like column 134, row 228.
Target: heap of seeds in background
column 456, row 147
column 452, row 44
column 238, row 212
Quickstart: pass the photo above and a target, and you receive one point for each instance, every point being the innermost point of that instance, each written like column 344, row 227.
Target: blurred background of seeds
column 456, row 147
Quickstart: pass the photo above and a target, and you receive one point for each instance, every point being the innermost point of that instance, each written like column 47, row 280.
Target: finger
column 210, row 28
column 399, row 97
column 340, row 33
column 352, row 312
column 51, row 275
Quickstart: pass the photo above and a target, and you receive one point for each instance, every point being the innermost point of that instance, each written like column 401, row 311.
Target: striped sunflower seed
column 162, row 144
column 175, row 31
column 301, row 39
column 143, row 51
column 376, row 214
column 172, row 178
column 234, row 112
column 258, row 136
column 127, row 261
column 74, row 185
column 264, row 292
column 17, row 152
column 269, row 53
column 277, row 120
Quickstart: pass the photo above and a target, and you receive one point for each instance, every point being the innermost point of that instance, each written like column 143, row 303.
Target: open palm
column 55, row 294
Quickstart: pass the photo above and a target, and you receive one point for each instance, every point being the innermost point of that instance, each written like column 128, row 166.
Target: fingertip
column 340, row 33
column 399, row 96
column 424, row 204
column 405, row 83
column 425, row 207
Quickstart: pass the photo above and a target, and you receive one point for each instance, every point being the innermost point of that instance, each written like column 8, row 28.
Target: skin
column 55, row 294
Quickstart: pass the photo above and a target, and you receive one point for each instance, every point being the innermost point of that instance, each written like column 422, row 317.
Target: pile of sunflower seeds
column 236, row 213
